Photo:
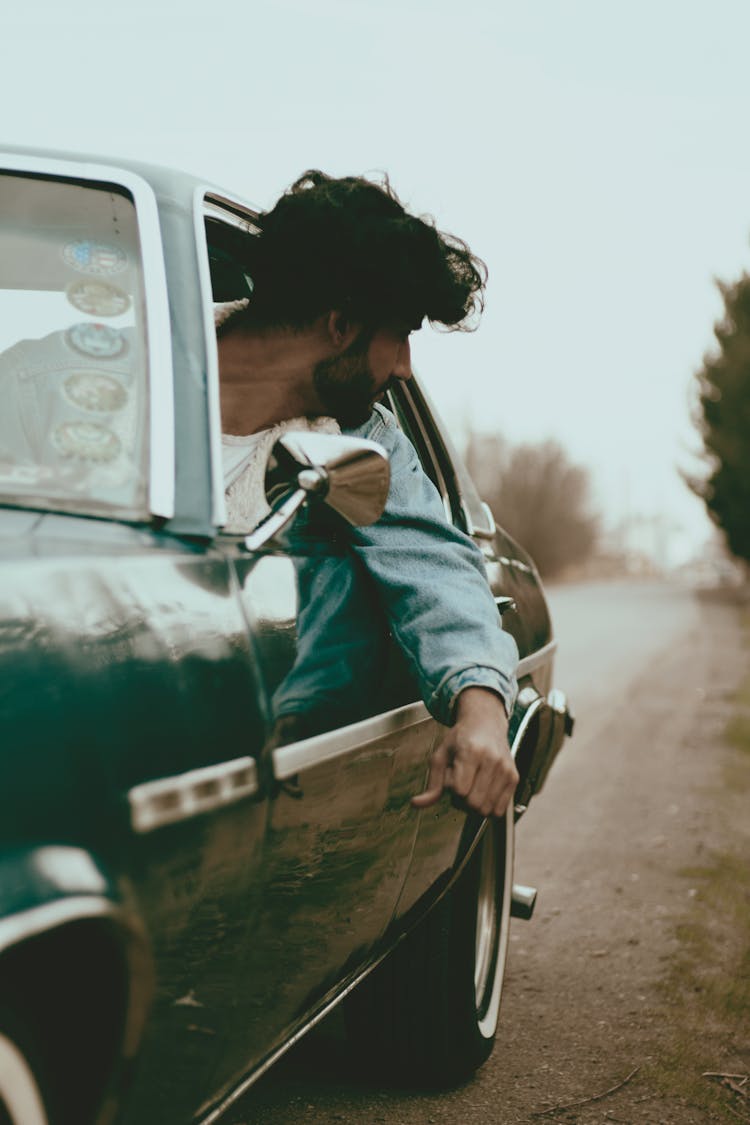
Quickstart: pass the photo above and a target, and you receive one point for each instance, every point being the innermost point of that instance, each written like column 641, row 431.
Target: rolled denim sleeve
column 433, row 584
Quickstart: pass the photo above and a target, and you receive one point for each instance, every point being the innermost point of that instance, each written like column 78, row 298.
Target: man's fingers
column 463, row 777
column 484, row 791
column 427, row 798
column 493, row 788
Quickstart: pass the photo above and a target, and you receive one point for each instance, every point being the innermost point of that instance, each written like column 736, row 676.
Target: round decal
column 98, row 298
column 88, row 256
column 88, row 390
column 86, row 441
column 97, row 340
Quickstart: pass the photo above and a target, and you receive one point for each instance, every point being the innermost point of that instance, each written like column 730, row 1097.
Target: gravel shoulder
column 633, row 972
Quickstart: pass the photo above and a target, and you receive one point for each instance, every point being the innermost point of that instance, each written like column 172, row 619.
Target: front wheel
column 430, row 1011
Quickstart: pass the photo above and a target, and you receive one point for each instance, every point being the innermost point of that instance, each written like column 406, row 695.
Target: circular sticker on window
column 86, row 441
column 88, row 256
column 98, row 298
column 97, row 340
column 90, row 390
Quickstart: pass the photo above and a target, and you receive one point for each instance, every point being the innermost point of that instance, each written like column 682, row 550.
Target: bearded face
column 346, row 384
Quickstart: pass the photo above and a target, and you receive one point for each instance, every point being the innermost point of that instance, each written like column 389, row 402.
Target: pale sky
column 594, row 154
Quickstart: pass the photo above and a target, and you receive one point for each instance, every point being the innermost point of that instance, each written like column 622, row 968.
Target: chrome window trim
column 161, row 452
column 169, row 800
column 218, row 500
column 208, row 201
column 218, row 206
column 299, row 756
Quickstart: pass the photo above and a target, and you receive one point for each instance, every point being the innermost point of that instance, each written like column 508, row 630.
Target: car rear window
column 73, row 366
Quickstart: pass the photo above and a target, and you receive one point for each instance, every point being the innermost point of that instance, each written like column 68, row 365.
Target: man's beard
column 346, row 386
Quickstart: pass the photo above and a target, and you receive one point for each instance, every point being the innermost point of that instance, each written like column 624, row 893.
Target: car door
column 264, row 902
column 300, row 884
column 348, row 749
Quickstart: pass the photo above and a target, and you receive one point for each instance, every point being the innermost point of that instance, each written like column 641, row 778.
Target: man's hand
column 474, row 759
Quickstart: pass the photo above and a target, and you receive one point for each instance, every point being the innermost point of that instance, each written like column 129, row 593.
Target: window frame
column 210, row 202
column 408, row 401
column 160, row 374
column 467, row 510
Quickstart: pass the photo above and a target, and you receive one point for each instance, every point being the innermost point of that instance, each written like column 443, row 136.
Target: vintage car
column 186, row 885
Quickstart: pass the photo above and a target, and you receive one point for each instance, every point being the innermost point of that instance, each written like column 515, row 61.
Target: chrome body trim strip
column 158, row 327
column 168, row 800
column 40, row 919
column 299, row 756
column 534, row 660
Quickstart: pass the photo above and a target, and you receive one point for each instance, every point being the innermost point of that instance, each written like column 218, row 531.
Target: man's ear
column 342, row 330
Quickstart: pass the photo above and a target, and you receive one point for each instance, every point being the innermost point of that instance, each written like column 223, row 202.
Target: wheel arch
column 75, row 966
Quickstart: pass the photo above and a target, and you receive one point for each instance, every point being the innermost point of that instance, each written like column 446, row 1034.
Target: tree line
column 539, row 496
column 723, row 420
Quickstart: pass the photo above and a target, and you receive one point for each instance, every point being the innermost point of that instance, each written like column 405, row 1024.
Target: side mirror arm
column 309, row 481
column 281, row 513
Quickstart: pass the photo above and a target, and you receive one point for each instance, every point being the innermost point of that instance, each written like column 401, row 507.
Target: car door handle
column 504, row 604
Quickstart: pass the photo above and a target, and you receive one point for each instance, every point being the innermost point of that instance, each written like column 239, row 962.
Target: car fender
column 49, row 886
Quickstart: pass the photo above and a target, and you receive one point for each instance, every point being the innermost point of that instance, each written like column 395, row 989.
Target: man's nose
column 402, row 368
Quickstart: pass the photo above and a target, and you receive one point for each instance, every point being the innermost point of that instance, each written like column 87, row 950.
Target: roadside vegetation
column 539, row 496
column 705, row 1061
column 723, row 420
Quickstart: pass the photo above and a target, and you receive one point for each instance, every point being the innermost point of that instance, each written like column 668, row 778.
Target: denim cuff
column 443, row 701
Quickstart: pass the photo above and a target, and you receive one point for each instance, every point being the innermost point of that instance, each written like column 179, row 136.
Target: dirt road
column 631, row 815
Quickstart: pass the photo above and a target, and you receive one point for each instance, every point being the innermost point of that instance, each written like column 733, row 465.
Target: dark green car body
column 191, row 894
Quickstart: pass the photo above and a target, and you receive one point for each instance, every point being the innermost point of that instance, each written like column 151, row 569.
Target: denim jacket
column 413, row 567
column 432, row 583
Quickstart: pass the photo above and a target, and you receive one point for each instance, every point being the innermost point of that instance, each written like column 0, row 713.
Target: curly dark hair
column 350, row 244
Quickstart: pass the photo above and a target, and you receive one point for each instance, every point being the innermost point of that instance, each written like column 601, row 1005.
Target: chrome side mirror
column 350, row 475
